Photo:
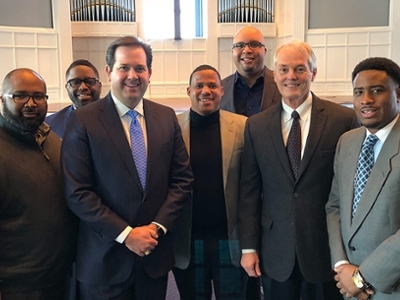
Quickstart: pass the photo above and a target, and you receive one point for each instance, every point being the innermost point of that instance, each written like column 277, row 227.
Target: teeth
column 205, row 99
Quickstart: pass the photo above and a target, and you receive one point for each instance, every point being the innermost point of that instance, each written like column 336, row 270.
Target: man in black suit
column 248, row 91
column 128, row 205
column 251, row 88
column 83, row 86
column 36, row 227
column 282, row 221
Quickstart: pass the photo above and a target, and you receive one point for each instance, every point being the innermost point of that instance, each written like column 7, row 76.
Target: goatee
column 22, row 123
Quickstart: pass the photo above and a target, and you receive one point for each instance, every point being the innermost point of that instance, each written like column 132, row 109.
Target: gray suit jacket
column 271, row 93
column 372, row 239
column 279, row 216
column 232, row 139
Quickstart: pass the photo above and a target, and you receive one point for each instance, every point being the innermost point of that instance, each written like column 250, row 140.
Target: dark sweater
column 36, row 228
column 209, row 211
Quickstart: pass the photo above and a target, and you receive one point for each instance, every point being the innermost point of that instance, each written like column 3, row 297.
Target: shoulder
column 333, row 108
column 154, row 106
column 228, row 80
column 59, row 114
column 229, row 116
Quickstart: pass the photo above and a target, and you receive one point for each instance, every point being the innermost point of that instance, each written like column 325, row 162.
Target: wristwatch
column 359, row 281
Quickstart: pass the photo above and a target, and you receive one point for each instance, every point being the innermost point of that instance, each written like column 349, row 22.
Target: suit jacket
column 270, row 96
column 103, row 188
column 58, row 120
column 279, row 216
column 372, row 239
column 232, row 140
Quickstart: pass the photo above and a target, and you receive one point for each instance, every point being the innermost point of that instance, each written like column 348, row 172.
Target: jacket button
column 296, row 195
column 353, row 248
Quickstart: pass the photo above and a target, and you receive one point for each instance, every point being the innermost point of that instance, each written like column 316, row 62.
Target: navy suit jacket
column 270, row 96
column 58, row 120
column 103, row 188
column 283, row 218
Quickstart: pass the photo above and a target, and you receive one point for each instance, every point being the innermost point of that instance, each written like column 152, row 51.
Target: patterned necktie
column 364, row 167
column 293, row 145
column 138, row 147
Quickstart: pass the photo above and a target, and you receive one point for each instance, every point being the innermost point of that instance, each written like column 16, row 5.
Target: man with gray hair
column 285, row 182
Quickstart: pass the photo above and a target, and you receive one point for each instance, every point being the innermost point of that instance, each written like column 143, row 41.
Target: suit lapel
column 228, row 133
column 111, row 121
column 269, row 90
column 379, row 174
column 184, row 122
column 275, row 130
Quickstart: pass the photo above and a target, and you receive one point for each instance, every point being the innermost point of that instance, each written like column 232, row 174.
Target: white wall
column 50, row 51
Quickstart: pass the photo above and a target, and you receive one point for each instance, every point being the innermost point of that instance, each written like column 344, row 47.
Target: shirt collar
column 304, row 110
column 383, row 133
column 237, row 75
column 122, row 109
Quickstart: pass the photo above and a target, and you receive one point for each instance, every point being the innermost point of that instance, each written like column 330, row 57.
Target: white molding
column 103, row 29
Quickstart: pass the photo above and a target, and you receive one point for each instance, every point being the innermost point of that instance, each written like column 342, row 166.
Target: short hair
column 380, row 64
column 203, row 68
column 302, row 47
column 128, row 41
column 81, row 62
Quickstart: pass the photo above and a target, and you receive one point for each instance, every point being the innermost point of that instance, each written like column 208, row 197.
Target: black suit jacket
column 270, row 96
column 278, row 215
column 103, row 188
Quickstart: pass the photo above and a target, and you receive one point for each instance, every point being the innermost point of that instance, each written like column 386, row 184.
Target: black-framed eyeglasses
column 252, row 45
column 22, row 98
column 89, row 81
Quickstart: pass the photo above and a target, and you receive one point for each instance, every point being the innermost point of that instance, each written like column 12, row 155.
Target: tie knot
column 132, row 113
column 371, row 140
column 295, row 115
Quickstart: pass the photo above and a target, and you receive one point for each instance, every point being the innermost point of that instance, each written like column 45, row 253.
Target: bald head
column 248, row 32
column 22, row 74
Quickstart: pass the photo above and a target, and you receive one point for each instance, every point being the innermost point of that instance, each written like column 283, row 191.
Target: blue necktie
column 138, row 147
column 364, row 166
column 293, row 145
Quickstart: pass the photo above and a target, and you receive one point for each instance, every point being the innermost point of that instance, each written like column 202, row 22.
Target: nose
column 205, row 90
column 30, row 101
column 291, row 74
column 132, row 74
column 367, row 98
column 246, row 48
column 83, row 86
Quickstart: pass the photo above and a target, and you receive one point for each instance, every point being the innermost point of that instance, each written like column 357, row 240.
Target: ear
column 314, row 74
column 398, row 94
column 222, row 91
column 188, row 91
column 108, row 72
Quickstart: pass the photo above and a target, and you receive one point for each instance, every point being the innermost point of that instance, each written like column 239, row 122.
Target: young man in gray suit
column 363, row 212
column 214, row 139
column 282, row 221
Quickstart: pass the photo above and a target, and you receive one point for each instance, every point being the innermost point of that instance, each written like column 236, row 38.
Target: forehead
column 372, row 77
column 130, row 55
column 291, row 56
column 205, row 76
column 81, row 72
column 247, row 35
column 26, row 81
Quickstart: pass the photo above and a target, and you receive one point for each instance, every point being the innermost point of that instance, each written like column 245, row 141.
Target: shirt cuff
column 161, row 226
column 245, row 251
column 341, row 262
column 122, row 236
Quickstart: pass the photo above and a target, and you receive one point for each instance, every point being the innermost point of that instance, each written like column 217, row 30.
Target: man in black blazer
column 282, row 221
column 83, row 87
column 127, row 226
column 251, row 88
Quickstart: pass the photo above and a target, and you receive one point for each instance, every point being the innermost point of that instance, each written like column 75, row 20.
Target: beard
column 22, row 123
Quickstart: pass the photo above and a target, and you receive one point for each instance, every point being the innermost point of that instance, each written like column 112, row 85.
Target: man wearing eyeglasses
column 83, row 86
column 36, row 231
column 251, row 88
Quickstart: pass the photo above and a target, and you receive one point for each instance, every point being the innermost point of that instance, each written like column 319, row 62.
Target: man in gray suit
column 251, row 88
column 364, row 236
column 214, row 139
column 282, row 221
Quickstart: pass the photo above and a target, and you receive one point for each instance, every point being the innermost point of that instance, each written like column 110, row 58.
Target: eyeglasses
column 252, row 45
column 75, row 82
column 22, row 98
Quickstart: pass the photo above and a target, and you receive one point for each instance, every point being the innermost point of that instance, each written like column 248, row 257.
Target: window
column 172, row 19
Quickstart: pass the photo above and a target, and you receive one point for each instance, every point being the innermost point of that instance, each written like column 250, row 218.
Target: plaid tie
column 138, row 147
column 293, row 145
column 364, row 167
